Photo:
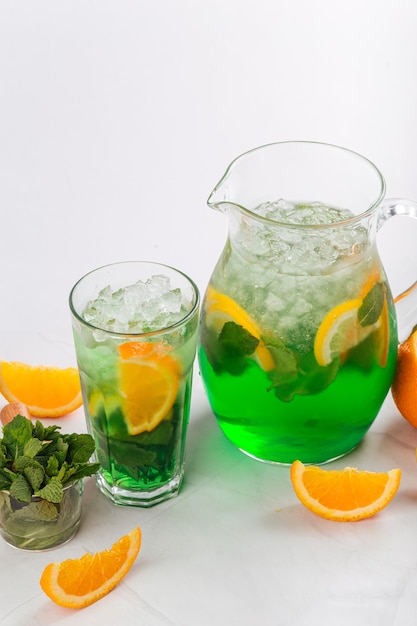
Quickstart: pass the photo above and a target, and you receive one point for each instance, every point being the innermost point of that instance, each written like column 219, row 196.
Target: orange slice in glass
column 149, row 380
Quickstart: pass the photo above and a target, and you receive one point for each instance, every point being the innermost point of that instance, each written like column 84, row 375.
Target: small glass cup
column 41, row 525
column 135, row 332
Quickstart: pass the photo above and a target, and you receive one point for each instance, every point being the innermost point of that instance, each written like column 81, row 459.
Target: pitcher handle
column 406, row 301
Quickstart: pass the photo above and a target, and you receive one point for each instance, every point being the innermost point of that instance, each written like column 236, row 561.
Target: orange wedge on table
column 221, row 308
column 77, row 583
column 46, row 391
column 149, row 379
column 346, row 495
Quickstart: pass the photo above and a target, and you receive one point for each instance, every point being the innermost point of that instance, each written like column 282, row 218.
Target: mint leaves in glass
column 41, row 472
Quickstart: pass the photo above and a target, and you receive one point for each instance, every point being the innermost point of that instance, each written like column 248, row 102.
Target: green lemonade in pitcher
column 298, row 337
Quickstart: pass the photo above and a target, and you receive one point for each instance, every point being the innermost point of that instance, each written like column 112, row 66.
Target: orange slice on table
column 346, row 495
column 46, row 391
column 149, row 379
column 221, row 308
column 77, row 583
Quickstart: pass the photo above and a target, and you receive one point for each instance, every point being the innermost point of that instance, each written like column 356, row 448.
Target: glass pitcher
column 298, row 332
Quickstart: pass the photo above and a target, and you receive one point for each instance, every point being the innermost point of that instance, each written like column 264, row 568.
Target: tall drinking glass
column 135, row 329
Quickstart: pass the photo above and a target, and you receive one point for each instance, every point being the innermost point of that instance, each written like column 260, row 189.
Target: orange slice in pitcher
column 221, row 308
column 337, row 332
column 149, row 381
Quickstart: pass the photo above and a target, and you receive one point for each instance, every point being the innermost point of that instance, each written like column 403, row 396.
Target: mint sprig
column 229, row 350
column 40, row 461
column 371, row 308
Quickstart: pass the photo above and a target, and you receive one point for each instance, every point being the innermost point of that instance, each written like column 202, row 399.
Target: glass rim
column 159, row 331
column 266, row 220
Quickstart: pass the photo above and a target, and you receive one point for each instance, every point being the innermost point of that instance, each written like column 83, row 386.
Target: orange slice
column 46, row 391
column 138, row 349
column 404, row 384
column 221, row 308
column 340, row 330
column 337, row 332
column 346, row 495
column 149, row 380
column 76, row 583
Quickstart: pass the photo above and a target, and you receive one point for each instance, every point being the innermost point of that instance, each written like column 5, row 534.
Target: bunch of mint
column 39, row 461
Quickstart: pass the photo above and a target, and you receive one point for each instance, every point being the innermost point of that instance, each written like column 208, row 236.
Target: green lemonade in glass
column 135, row 346
column 297, row 353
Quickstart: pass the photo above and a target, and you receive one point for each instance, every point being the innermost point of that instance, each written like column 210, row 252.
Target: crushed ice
column 296, row 251
column 138, row 308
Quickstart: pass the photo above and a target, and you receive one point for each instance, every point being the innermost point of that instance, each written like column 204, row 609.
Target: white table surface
column 116, row 120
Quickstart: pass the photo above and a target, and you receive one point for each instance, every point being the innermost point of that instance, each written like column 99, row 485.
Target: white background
column 116, row 120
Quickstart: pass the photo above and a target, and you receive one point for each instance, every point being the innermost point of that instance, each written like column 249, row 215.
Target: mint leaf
column 16, row 434
column 5, row 479
column 80, row 448
column 52, row 492
column 32, row 470
column 58, row 448
column 234, row 344
column 82, row 471
column 41, row 510
column 308, row 379
column 3, row 456
column 34, row 474
column 51, row 433
column 32, row 447
column 20, row 489
column 52, row 466
column 286, row 368
column 236, row 340
column 39, row 431
column 372, row 305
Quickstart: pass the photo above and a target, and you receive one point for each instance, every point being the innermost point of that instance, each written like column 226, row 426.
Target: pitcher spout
column 226, row 193
column 219, row 198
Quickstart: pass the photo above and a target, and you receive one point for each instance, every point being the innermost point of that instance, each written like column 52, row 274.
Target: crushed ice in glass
column 145, row 306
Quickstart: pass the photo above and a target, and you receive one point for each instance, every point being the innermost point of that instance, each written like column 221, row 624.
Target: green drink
column 135, row 327
column 297, row 353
